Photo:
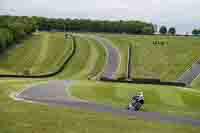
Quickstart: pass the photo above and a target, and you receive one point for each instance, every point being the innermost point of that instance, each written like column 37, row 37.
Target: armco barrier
column 60, row 69
column 145, row 81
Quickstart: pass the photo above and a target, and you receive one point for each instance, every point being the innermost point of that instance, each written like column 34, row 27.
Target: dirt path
column 191, row 74
column 56, row 92
column 113, row 57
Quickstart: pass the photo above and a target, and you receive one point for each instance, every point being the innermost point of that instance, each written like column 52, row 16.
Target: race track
column 113, row 57
column 191, row 74
column 56, row 92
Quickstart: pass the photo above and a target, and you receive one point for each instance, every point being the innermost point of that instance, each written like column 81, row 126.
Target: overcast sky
column 183, row 14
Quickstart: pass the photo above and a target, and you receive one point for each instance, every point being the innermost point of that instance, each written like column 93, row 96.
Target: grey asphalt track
column 113, row 57
column 54, row 90
column 56, row 93
column 191, row 74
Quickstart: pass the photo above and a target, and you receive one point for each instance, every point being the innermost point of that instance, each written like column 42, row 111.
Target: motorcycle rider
column 136, row 102
column 138, row 98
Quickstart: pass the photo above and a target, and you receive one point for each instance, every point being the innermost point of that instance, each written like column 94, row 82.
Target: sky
column 182, row 14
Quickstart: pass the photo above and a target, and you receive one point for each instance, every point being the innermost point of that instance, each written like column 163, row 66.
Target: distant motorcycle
column 136, row 102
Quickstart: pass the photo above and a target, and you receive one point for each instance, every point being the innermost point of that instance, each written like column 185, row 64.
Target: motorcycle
column 135, row 106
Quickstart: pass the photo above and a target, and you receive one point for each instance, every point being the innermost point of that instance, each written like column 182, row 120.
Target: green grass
column 41, row 53
column 164, row 62
column 21, row 117
column 196, row 83
column 164, row 99
column 98, row 55
column 88, row 61
column 45, row 52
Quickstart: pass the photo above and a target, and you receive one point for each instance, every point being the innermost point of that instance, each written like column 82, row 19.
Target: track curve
column 113, row 57
column 191, row 74
column 55, row 92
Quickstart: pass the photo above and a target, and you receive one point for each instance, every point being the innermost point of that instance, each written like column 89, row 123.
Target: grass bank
column 21, row 117
column 164, row 99
column 166, row 62
column 42, row 53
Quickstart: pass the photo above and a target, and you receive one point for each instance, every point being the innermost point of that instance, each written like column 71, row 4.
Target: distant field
column 39, row 54
column 88, row 61
column 164, row 99
column 150, row 61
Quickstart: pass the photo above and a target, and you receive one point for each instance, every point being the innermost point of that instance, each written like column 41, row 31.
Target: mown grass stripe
column 59, row 68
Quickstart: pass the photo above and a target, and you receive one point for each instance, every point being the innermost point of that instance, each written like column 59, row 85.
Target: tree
column 196, row 32
column 3, row 40
column 148, row 30
column 172, row 31
column 6, row 38
column 18, row 29
column 14, row 28
column 163, row 30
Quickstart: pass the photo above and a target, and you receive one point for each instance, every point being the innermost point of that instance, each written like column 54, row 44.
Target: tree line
column 87, row 25
column 13, row 29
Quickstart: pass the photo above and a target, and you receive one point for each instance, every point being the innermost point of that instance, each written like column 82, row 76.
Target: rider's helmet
column 140, row 95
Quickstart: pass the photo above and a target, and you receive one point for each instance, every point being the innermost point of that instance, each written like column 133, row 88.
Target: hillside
column 166, row 62
column 41, row 53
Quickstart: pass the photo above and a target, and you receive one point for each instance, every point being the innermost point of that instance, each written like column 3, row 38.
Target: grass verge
column 21, row 117
column 40, row 54
column 87, row 62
